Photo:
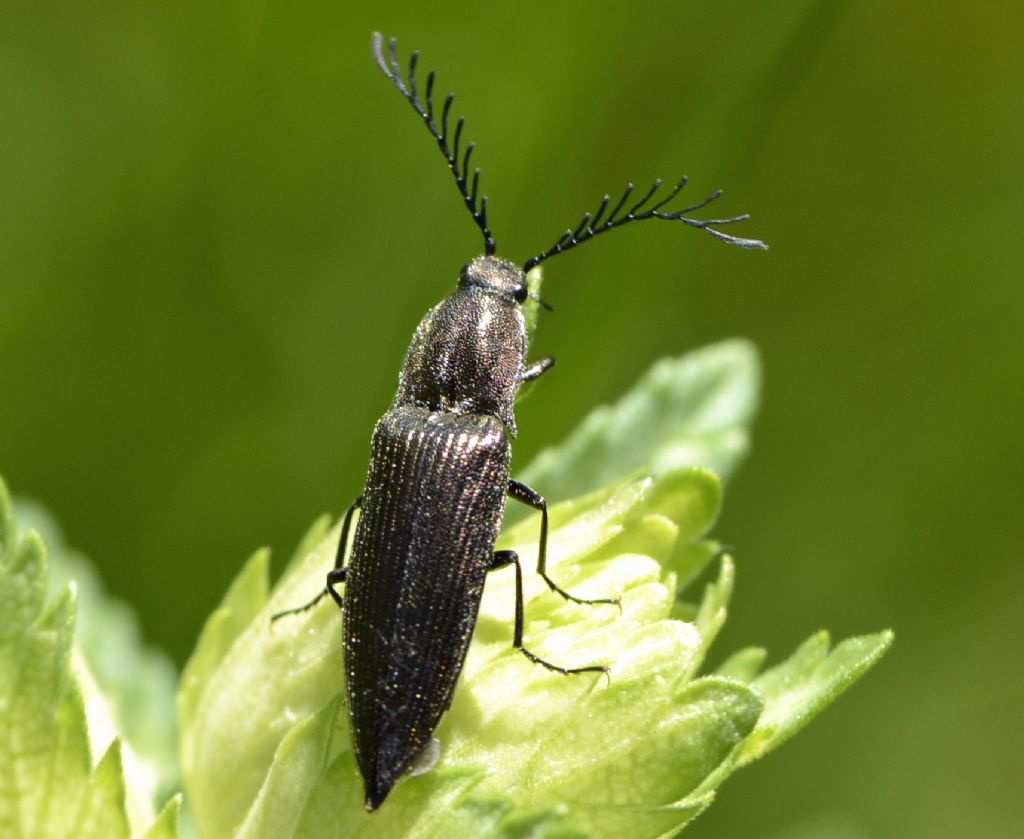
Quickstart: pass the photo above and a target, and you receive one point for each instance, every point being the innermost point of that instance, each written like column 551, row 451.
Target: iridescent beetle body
column 430, row 515
column 438, row 476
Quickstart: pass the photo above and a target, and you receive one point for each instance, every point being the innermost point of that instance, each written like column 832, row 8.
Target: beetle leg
column 500, row 560
column 538, row 368
column 521, row 492
column 339, row 558
column 337, row 574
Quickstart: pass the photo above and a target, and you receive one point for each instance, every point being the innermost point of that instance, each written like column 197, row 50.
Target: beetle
column 439, row 474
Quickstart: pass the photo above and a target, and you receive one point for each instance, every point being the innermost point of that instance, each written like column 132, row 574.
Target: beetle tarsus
column 502, row 559
column 299, row 609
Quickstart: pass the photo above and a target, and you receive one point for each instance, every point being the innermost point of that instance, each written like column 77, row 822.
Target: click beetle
column 439, row 474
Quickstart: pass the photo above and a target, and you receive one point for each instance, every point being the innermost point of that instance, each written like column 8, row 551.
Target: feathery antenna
column 469, row 191
column 594, row 223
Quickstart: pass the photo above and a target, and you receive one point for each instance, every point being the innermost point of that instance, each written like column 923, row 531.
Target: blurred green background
column 219, row 226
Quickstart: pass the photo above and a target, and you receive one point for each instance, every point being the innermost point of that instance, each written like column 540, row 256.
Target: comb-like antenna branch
column 413, row 58
column 654, row 188
column 444, row 116
column 714, row 196
column 591, row 225
column 671, row 195
column 600, row 211
column 625, row 197
column 583, row 225
column 389, row 67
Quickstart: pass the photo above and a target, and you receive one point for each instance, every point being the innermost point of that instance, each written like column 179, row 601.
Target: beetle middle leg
column 521, row 492
column 337, row 574
column 500, row 560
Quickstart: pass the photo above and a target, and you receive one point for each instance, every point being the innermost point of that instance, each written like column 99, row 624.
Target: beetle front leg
column 521, row 492
column 336, row 575
column 538, row 369
column 500, row 560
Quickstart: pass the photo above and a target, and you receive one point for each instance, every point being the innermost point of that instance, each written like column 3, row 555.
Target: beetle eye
column 520, row 293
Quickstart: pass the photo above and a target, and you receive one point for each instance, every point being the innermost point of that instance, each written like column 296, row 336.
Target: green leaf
column 798, row 689
column 743, row 665
column 44, row 759
column 129, row 687
column 523, row 751
column 103, row 812
column 166, row 824
column 248, row 684
column 48, row 785
column 711, row 614
column 694, row 410
column 302, row 754
column 244, row 599
column 255, row 740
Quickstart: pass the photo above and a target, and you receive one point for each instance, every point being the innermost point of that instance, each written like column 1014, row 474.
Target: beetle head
column 497, row 276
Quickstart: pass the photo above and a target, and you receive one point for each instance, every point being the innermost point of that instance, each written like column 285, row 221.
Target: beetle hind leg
column 501, row 559
column 532, row 498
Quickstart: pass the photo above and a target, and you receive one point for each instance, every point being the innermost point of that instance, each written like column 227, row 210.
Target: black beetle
column 439, row 473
